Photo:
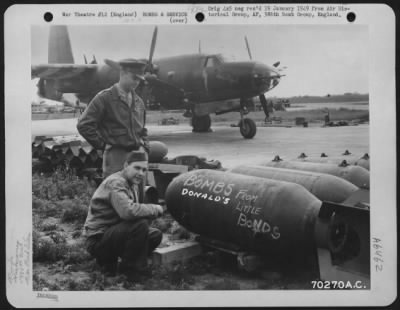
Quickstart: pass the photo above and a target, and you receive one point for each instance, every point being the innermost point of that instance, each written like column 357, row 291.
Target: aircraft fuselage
column 204, row 78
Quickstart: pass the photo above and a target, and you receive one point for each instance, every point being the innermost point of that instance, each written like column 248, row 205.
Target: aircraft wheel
column 248, row 128
column 201, row 123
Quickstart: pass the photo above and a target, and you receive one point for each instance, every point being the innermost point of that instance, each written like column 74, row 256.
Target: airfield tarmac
column 226, row 144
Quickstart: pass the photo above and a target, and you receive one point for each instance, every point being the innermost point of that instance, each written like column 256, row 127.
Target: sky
column 320, row 59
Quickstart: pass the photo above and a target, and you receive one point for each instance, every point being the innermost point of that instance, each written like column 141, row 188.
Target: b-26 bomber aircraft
column 199, row 83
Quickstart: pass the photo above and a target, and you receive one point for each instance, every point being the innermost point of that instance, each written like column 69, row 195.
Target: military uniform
column 114, row 121
column 117, row 225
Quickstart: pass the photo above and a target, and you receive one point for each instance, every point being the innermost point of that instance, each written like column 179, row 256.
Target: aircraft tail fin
column 60, row 50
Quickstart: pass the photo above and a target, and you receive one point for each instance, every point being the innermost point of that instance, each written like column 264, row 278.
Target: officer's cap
column 129, row 64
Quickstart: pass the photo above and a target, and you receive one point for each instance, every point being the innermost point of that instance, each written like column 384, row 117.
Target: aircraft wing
column 61, row 71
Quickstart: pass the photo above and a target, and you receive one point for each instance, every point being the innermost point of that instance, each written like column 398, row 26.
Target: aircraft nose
column 265, row 72
column 265, row 76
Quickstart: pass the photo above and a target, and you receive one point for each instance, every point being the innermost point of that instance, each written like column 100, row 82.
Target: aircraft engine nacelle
column 47, row 89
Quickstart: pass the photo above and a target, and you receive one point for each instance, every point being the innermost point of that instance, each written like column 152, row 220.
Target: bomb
column 349, row 159
column 323, row 186
column 354, row 174
column 158, row 151
column 363, row 161
column 257, row 214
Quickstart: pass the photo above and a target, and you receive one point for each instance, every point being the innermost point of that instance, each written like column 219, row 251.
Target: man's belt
column 123, row 147
column 131, row 148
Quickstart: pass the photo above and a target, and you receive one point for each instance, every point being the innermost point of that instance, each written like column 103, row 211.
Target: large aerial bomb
column 257, row 214
column 323, row 186
column 363, row 161
column 158, row 151
column 273, row 218
column 345, row 158
column 354, row 174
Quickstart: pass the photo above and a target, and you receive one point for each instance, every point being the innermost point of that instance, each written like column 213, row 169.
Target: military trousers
column 132, row 241
column 113, row 159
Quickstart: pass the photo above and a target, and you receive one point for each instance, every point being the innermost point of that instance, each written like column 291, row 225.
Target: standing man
column 115, row 118
column 117, row 224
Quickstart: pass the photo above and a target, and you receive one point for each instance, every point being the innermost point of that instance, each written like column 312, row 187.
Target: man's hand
column 146, row 147
column 158, row 209
column 105, row 147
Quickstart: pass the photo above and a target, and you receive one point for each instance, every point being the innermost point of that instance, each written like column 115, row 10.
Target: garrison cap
column 136, row 156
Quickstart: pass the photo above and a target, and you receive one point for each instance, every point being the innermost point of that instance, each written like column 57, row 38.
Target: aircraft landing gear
column 201, row 123
column 247, row 126
column 264, row 105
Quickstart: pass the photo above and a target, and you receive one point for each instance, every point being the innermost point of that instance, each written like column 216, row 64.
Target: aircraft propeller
column 150, row 67
column 248, row 47
column 276, row 64
column 93, row 62
column 151, row 70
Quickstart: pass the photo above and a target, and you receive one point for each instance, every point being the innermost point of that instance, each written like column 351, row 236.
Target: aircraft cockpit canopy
column 214, row 60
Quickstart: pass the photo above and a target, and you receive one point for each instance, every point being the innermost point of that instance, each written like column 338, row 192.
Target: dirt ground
column 211, row 270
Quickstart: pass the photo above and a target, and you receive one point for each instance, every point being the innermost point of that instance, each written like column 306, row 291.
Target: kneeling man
column 117, row 224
